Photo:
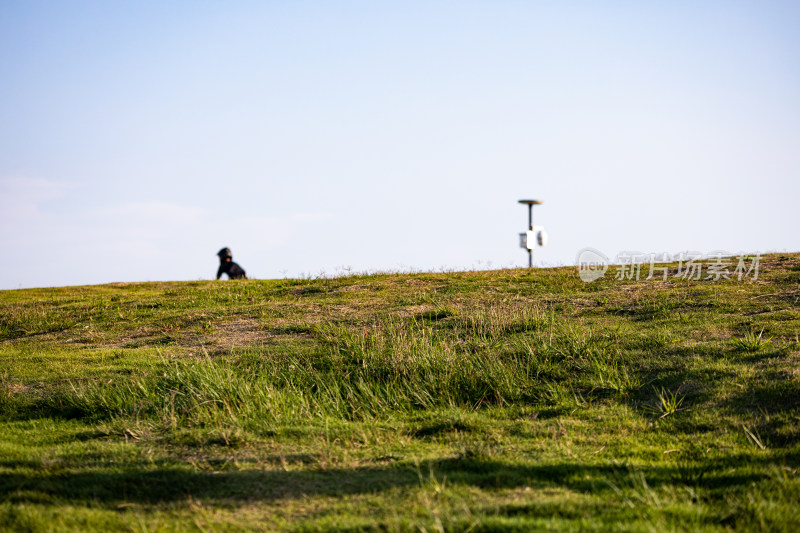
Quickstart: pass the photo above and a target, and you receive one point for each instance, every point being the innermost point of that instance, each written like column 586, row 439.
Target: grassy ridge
column 481, row 401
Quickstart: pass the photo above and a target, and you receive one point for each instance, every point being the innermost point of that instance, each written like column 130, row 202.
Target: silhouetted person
column 227, row 266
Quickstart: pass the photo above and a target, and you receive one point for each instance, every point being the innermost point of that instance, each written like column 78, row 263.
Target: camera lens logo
column 592, row 264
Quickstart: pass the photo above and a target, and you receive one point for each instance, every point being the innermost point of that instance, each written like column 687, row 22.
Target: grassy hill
column 470, row 401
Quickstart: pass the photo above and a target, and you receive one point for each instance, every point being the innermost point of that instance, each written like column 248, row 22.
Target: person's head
column 225, row 254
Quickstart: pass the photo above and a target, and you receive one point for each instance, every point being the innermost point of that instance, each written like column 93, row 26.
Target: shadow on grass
column 777, row 392
column 177, row 483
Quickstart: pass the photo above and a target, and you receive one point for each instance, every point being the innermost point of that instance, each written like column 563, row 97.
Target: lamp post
column 528, row 239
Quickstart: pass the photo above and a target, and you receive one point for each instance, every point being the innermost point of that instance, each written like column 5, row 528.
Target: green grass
column 508, row 400
column 750, row 342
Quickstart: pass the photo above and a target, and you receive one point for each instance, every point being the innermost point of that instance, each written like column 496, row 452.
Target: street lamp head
column 530, row 202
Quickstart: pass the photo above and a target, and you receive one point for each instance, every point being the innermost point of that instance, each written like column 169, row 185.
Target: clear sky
column 139, row 138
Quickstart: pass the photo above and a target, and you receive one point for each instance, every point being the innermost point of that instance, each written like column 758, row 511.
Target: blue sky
column 138, row 138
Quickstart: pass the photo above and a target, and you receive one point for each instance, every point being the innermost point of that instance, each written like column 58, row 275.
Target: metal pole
column 530, row 228
column 530, row 204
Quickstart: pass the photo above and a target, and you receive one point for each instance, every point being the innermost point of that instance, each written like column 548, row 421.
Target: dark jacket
column 230, row 268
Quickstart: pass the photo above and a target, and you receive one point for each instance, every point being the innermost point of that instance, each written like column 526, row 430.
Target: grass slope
column 509, row 400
